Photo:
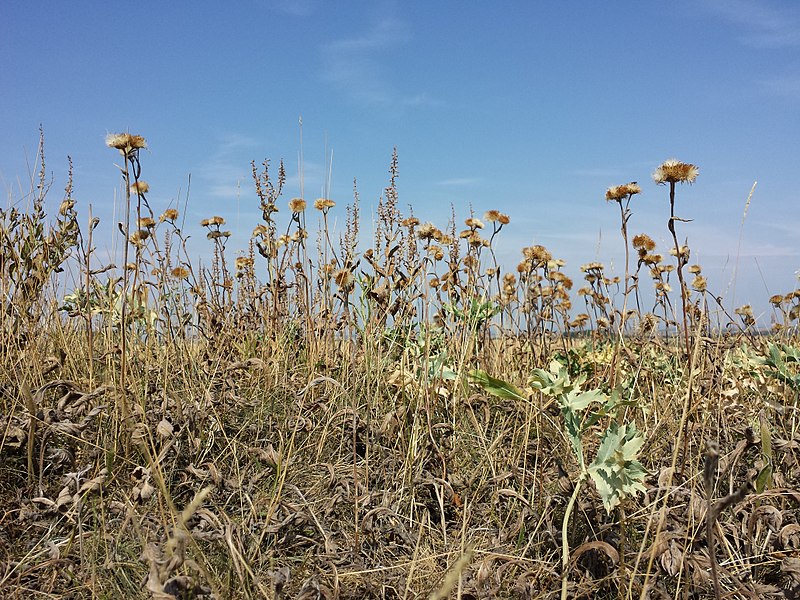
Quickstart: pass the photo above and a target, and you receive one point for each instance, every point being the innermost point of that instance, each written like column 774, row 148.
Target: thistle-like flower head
column 675, row 171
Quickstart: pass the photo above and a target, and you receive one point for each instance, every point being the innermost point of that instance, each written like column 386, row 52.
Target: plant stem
column 680, row 259
column 565, row 539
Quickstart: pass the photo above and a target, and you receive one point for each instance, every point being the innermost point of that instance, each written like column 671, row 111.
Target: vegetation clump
column 311, row 419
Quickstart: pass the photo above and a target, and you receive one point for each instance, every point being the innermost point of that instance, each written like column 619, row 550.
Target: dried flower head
column 140, row 187
column 244, row 263
column 410, row 222
column 474, row 223
column 495, row 216
column 179, row 273
column 427, row 231
column 620, row 192
column 695, row 269
column 212, row 221
column 344, row 279
column 297, row 205
column 169, row 215
column 146, row 223
column 699, row 283
column 776, row 300
column 592, row 267
column 125, row 142
column 323, row 204
column 537, row 253
column 643, row 241
column 140, row 235
column 674, row 171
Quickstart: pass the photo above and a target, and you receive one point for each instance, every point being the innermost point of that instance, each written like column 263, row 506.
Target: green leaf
column 577, row 401
column 616, row 472
column 494, row 386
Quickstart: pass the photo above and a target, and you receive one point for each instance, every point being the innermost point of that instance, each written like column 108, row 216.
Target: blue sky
column 530, row 108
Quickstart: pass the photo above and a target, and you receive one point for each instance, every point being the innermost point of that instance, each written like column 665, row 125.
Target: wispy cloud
column 460, row 181
column 765, row 24
column 787, row 86
column 359, row 66
column 225, row 171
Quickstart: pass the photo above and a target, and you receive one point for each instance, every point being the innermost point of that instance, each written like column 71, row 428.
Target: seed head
column 169, row 215
column 620, row 192
column 179, row 273
column 243, row 263
column 125, row 142
column 140, row 187
column 674, row 171
column 495, row 216
column 643, row 241
column 323, row 204
column 699, row 283
column 297, row 205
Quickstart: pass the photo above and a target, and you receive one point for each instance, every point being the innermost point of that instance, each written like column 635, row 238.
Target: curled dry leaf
column 604, row 547
column 95, row 484
column 769, row 516
column 164, row 429
column 791, row 566
column 672, row 559
column 789, row 537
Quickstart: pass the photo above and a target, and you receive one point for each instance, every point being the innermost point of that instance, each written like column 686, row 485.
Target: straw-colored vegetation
column 313, row 419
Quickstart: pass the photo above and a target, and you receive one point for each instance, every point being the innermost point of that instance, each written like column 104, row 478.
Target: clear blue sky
column 532, row 108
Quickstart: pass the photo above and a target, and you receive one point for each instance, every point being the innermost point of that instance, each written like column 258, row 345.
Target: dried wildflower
column 537, row 253
column 140, row 187
column 259, row 230
column 475, row 239
column 474, row 223
column 620, row 192
column 297, row 205
column 643, row 241
column 284, row 240
column 344, row 279
column 125, row 142
column 410, row 222
column 216, row 221
column 745, row 311
column 495, row 216
column 427, row 231
column 130, row 266
column 699, row 283
column 776, row 300
column 66, row 205
column 146, row 223
column 592, row 266
column 139, row 236
column 244, row 263
column 695, row 269
column 684, row 252
column 169, row 215
column 674, row 171
column 179, row 273
column 652, row 259
column 323, row 204
column 298, row 235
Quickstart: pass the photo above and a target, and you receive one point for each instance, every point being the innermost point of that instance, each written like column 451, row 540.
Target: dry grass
column 297, row 422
